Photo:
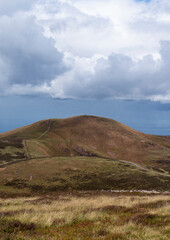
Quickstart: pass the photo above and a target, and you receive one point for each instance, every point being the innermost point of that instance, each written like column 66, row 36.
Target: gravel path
column 143, row 168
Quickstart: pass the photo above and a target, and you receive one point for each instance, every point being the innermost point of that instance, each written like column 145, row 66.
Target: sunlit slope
column 31, row 131
column 90, row 136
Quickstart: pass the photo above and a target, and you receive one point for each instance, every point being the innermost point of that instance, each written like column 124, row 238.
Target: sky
column 60, row 58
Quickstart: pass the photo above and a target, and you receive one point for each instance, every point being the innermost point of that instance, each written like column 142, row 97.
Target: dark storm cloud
column 71, row 49
column 26, row 55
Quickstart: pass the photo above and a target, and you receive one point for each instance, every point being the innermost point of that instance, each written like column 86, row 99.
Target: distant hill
column 86, row 136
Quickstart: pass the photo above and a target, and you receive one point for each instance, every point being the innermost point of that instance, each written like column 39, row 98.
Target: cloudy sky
column 71, row 57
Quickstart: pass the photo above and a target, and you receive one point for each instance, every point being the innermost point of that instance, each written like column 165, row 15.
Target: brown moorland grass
column 68, row 217
column 78, row 173
column 87, row 136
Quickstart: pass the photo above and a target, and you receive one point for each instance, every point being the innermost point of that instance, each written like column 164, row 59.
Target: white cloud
column 88, row 27
column 103, row 49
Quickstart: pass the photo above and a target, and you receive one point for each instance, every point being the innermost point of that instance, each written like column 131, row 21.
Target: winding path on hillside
column 48, row 129
column 146, row 169
column 132, row 163
column 44, row 133
column 25, row 149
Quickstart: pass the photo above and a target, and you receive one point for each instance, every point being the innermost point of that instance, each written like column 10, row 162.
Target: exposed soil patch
column 83, row 152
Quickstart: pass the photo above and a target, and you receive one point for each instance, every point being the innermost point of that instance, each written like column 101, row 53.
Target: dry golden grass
column 96, row 217
column 67, row 209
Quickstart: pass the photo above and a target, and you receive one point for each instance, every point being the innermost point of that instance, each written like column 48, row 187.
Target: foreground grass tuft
column 85, row 217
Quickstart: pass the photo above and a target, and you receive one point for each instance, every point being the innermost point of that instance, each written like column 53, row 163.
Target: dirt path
column 143, row 168
column 25, row 148
column 20, row 160
column 48, row 129
column 24, row 143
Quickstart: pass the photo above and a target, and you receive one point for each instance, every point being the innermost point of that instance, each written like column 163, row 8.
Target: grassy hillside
column 83, row 152
column 85, row 136
column 78, row 173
